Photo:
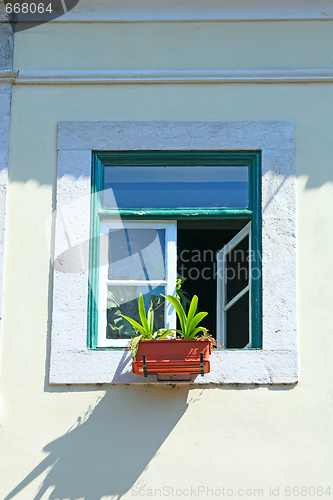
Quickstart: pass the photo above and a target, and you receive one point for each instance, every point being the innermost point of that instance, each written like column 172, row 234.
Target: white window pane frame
column 222, row 305
column 169, row 282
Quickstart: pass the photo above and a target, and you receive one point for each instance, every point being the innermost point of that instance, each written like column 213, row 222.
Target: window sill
column 227, row 367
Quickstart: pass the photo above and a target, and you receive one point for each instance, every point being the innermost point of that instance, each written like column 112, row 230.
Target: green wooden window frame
column 101, row 159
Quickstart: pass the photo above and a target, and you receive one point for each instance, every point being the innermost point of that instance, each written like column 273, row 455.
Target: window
column 140, row 258
column 195, row 215
column 80, row 214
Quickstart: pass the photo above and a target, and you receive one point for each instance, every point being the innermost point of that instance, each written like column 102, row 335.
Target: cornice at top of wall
column 195, row 10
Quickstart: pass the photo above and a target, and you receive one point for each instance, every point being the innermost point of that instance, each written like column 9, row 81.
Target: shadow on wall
column 109, row 448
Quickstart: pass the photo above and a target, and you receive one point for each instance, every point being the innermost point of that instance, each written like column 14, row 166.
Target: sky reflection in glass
column 177, row 187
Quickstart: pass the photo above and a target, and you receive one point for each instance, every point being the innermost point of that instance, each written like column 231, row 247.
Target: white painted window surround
column 277, row 362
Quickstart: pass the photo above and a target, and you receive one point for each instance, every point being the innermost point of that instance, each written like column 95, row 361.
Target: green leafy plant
column 183, row 296
column 189, row 323
column 146, row 328
column 121, row 302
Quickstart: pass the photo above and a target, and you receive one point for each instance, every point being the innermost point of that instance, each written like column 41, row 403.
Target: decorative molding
column 71, row 362
column 89, row 77
column 8, row 75
column 86, row 77
column 194, row 10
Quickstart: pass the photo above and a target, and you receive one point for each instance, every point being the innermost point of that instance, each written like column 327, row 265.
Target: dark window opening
column 198, row 243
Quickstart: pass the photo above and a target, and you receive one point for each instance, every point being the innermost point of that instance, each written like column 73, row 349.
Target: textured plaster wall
column 97, row 442
column 6, row 63
column 214, row 45
column 5, row 100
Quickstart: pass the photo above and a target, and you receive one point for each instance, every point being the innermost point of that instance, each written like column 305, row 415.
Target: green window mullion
column 256, row 281
column 97, row 186
column 179, row 214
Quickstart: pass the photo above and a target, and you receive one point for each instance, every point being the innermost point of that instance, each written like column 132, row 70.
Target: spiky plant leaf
column 135, row 324
column 162, row 333
column 150, row 320
column 135, row 346
column 197, row 318
column 179, row 310
column 195, row 332
column 191, row 312
column 142, row 313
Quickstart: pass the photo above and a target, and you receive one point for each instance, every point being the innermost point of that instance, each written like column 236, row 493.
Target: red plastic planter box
column 172, row 357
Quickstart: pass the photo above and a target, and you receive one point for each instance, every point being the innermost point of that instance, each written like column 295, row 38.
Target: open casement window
column 156, row 215
column 234, row 271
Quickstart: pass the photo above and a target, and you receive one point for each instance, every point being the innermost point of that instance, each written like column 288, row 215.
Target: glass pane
column 137, row 254
column 177, row 187
column 237, row 269
column 238, row 323
column 123, row 299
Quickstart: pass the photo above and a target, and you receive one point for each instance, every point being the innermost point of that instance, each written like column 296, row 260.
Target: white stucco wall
column 94, row 442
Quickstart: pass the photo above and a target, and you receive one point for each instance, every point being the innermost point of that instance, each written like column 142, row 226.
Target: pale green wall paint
column 212, row 45
column 243, row 437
